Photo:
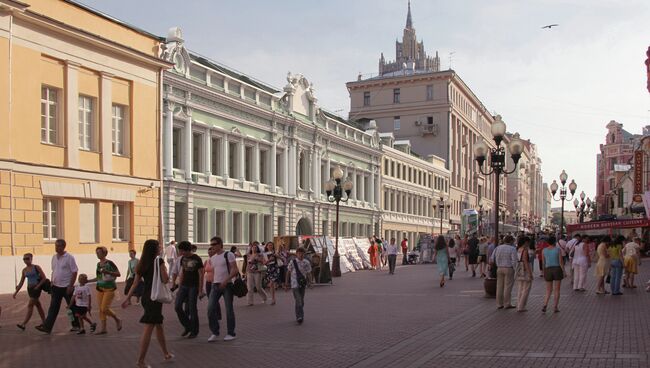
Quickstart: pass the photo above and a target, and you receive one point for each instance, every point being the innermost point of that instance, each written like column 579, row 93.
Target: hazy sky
column 558, row 87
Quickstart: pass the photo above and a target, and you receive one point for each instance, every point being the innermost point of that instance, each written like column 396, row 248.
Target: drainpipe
column 161, row 222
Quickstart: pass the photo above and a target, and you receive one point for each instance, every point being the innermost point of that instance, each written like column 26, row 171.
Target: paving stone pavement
column 368, row 319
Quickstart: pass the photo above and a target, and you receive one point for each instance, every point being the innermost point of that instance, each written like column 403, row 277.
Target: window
column 120, row 222
column 236, row 227
column 430, row 120
column 396, row 94
column 302, row 171
column 281, row 226
column 87, row 222
column 263, row 167
column 86, row 123
column 50, row 219
column 49, row 116
column 232, row 160
column 268, row 228
column 430, row 92
column 252, row 227
column 180, row 220
column 201, row 233
column 325, row 228
column 386, row 167
column 177, row 148
column 215, row 156
column 366, row 99
column 197, row 152
column 396, row 123
column 279, row 170
column 119, row 129
column 248, row 161
column 220, row 224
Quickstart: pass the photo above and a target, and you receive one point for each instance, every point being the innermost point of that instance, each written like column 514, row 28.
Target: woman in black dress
column 152, row 317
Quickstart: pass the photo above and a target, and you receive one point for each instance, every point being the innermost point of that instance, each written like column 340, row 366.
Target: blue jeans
column 299, row 297
column 58, row 294
column 189, row 316
column 214, row 309
column 616, row 271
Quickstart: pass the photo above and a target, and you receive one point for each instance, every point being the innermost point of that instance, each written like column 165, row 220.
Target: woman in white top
column 581, row 263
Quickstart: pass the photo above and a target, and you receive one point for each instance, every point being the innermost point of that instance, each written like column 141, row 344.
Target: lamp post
column 480, row 219
column 498, row 161
column 441, row 209
column 334, row 190
column 517, row 220
column 582, row 207
column 572, row 188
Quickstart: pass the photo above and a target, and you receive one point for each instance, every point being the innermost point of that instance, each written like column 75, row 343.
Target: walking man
column 225, row 270
column 298, row 268
column 64, row 275
column 190, row 289
column 405, row 249
column 392, row 256
column 505, row 257
column 170, row 254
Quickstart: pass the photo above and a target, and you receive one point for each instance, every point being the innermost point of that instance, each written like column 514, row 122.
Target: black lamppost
column 572, row 188
column 517, row 220
column 441, row 208
column 582, row 207
column 334, row 190
column 480, row 219
column 498, row 161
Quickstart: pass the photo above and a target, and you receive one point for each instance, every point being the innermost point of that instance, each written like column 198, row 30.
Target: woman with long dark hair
column 152, row 318
column 442, row 258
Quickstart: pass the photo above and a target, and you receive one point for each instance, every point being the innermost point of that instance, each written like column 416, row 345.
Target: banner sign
column 616, row 224
column 638, row 172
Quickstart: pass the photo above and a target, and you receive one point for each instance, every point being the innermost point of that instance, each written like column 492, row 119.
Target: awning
column 614, row 224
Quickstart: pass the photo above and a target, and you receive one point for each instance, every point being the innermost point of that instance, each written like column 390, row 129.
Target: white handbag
column 159, row 291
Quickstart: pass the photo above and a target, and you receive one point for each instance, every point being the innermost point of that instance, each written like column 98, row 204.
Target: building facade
column 439, row 115
column 410, row 190
column 79, row 149
column 525, row 192
column 246, row 161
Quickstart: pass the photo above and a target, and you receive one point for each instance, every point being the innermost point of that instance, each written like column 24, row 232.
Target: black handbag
column 239, row 288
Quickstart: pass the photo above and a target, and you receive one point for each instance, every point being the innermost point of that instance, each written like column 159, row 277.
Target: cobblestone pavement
column 369, row 319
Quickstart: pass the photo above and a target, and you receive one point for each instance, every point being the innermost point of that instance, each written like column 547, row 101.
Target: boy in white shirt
column 81, row 304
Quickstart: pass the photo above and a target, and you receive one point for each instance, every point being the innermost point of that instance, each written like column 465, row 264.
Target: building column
column 372, row 189
column 292, row 168
column 354, row 184
column 363, row 186
column 376, row 183
column 315, row 170
column 256, row 164
column 242, row 161
column 273, row 176
column 168, row 133
column 188, row 146
column 225, row 167
column 72, row 114
column 328, row 168
column 106, row 123
column 207, row 154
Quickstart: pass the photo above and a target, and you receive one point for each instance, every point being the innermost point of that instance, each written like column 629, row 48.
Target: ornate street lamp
column 572, row 188
column 441, row 207
column 480, row 219
column 582, row 207
column 334, row 190
column 498, row 161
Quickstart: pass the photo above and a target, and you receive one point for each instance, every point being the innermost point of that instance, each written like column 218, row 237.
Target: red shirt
column 404, row 246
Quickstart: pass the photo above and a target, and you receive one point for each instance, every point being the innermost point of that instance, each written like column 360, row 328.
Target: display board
column 362, row 245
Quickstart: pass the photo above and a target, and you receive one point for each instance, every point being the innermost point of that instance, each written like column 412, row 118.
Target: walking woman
column 581, row 263
column 273, row 263
column 452, row 249
column 615, row 251
column 35, row 280
column 106, row 274
column 602, row 265
column 152, row 318
column 442, row 258
column 524, row 273
column 256, row 263
column 372, row 253
column 553, row 272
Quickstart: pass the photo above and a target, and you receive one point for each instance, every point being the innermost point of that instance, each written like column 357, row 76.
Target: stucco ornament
column 173, row 50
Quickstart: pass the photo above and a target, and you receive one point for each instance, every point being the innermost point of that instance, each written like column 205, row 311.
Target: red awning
column 614, row 224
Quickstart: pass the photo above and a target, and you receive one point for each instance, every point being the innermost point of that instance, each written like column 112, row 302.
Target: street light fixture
column 334, row 191
column 498, row 160
column 441, row 207
column 563, row 194
column 582, row 207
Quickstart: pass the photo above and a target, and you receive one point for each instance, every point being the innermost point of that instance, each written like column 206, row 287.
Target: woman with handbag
column 602, row 265
column 35, row 281
column 256, row 265
column 272, row 275
column 524, row 274
column 152, row 318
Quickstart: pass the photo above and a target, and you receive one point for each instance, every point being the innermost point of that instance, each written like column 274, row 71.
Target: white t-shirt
column 630, row 249
column 81, row 295
column 170, row 252
column 392, row 249
column 220, row 267
column 63, row 269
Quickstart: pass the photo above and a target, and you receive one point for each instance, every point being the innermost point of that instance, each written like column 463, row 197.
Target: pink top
column 209, row 271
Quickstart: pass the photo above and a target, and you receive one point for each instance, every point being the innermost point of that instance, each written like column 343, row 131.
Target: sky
column 557, row 87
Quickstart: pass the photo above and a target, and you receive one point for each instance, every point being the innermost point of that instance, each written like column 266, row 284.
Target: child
column 81, row 304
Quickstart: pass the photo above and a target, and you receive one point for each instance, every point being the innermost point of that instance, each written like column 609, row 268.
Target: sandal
column 556, row 310
column 170, row 357
column 544, row 309
column 22, row 327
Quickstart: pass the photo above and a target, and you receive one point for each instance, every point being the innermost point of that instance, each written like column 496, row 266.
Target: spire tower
column 409, row 20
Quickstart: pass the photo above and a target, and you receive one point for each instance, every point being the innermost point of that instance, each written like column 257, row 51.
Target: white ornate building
column 245, row 161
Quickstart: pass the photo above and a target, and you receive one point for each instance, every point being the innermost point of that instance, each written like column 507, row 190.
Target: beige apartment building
column 79, row 149
column 411, row 187
column 525, row 190
column 438, row 114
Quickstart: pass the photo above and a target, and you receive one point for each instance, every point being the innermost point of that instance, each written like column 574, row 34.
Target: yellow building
column 79, row 134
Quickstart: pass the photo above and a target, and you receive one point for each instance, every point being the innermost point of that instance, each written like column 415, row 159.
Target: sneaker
column 213, row 338
column 93, row 327
column 43, row 329
column 81, row 332
column 229, row 338
column 192, row 336
column 185, row 333
column 74, row 329
column 300, row 320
